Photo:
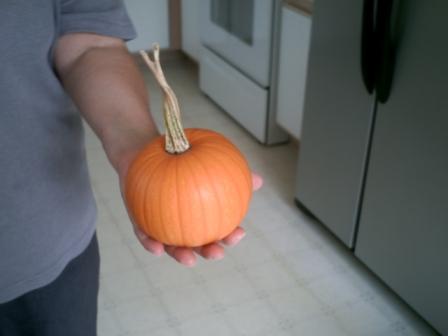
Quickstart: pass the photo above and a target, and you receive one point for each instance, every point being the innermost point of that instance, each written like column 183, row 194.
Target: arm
column 103, row 80
column 101, row 77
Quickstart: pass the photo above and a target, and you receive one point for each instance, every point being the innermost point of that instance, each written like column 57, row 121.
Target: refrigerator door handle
column 368, row 45
column 386, row 48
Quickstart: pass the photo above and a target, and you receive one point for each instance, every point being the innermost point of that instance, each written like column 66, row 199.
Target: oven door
column 239, row 31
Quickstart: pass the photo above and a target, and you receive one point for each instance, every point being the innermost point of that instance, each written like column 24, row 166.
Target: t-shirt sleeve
column 103, row 17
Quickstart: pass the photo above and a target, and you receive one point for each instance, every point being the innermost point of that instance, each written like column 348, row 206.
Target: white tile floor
column 288, row 276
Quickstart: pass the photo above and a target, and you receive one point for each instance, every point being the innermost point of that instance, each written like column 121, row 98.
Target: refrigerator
column 373, row 157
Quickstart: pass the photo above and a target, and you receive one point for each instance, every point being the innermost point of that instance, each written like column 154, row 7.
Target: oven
column 238, row 62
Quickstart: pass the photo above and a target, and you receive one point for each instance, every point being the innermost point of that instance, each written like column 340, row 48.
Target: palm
column 187, row 256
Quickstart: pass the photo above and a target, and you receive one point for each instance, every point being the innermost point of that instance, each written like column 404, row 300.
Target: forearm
column 109, row 91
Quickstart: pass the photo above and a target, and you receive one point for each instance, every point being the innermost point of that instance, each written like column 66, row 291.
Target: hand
column 187, row 256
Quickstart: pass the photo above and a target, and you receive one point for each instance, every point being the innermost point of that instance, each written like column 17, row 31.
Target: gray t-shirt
column 47, row 211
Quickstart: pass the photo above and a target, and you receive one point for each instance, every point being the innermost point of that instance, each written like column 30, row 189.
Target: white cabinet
column 191, row 43
column 293, row 62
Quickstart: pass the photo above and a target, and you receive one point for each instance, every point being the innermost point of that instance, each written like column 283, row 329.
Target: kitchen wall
column 150, row 18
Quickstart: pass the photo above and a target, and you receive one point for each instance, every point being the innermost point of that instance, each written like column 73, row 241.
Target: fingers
column 183, row 255
column 216, row 251
column 148, row 243
column 234, row 237
column 211, row 251
column 257, row 181
column 186, row 256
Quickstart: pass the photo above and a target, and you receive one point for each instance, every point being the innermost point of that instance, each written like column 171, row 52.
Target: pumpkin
column 188, row 187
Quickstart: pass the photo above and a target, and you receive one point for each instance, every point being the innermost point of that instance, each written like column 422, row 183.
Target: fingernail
column 216, row 257
column 158, row 252
column 242, row 235
column 238, row 238
column 258, row 182
column 189, row 262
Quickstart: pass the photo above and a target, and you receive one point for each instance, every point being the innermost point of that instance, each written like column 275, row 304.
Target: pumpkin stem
column 176, row 141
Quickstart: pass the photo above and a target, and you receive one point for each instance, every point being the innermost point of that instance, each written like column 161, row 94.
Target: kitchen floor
column 289, row 276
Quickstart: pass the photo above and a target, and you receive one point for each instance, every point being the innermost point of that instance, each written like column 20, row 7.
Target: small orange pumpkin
column 187, row 188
